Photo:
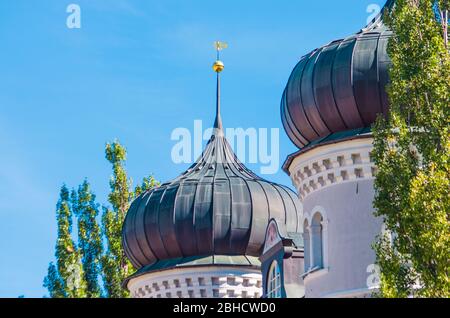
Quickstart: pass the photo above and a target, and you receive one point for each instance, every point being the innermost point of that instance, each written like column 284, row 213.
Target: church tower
column 200, row 235
column 331, row 100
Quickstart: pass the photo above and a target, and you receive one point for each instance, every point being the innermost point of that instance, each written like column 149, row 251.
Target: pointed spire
column 218, row 67
column 218, row 121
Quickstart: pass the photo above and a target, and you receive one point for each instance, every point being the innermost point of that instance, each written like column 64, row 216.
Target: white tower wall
column 198, row 282
column 336, row 180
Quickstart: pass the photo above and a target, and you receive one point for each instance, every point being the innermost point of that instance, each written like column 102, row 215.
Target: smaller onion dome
column 338, row 87
column 217, row 208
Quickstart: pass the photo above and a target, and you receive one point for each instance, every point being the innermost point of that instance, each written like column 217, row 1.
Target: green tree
column 147, row 183
column 442, row 8
column 99, row 251
column 114, row 262
column 66, row 278
column 411, row 151
column 89, row 236
column 54, row 283
column 116, row 267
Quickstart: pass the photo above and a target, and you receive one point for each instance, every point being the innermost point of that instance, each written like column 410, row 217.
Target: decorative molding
column 213, row 282
column 332, row 164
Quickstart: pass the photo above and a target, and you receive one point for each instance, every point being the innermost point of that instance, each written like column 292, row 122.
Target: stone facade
column 335, row 182
column 332, row 164
column 335, row 185
column 204, row 282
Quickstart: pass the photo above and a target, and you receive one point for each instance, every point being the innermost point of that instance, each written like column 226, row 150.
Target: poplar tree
column 411, row 152
column 147, row 183
column 66, row 278
column 116, row 266
column 54, row 283
column 99, row 253
column 89, row 237
column 442, row 8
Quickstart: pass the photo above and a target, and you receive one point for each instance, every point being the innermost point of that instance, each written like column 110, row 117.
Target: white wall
column 198, row 282
column 346, row 206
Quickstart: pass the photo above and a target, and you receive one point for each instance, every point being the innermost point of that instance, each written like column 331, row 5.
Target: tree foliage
column 96, row 266
column 442, row 8
column 116, row 265
column 66, row 278
column 411, row 151
column 89, row 236
column 54, row 283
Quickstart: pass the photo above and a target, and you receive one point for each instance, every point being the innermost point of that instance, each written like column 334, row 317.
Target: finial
column 218, row 64
column 218, row 67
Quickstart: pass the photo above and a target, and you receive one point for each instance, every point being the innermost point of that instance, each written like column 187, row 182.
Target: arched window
column 306, row 243
column 316, row 230
column 274, row 281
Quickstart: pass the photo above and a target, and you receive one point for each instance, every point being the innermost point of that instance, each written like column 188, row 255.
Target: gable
column 272, row 236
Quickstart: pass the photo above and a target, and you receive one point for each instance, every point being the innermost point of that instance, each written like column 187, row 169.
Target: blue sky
column 134, row 71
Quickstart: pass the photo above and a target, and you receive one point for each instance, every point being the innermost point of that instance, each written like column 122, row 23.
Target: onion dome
column 338, row 87
column 217, row 207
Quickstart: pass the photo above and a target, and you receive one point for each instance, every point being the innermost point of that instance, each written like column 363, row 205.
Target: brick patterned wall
column 331, row 165
column 182, row 283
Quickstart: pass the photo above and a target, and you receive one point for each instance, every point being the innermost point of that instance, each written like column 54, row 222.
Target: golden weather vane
column 218, row 64
column 218, row 67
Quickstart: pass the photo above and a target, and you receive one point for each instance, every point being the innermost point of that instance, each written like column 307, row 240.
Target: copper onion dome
column 340, row 86
column 216, row 207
